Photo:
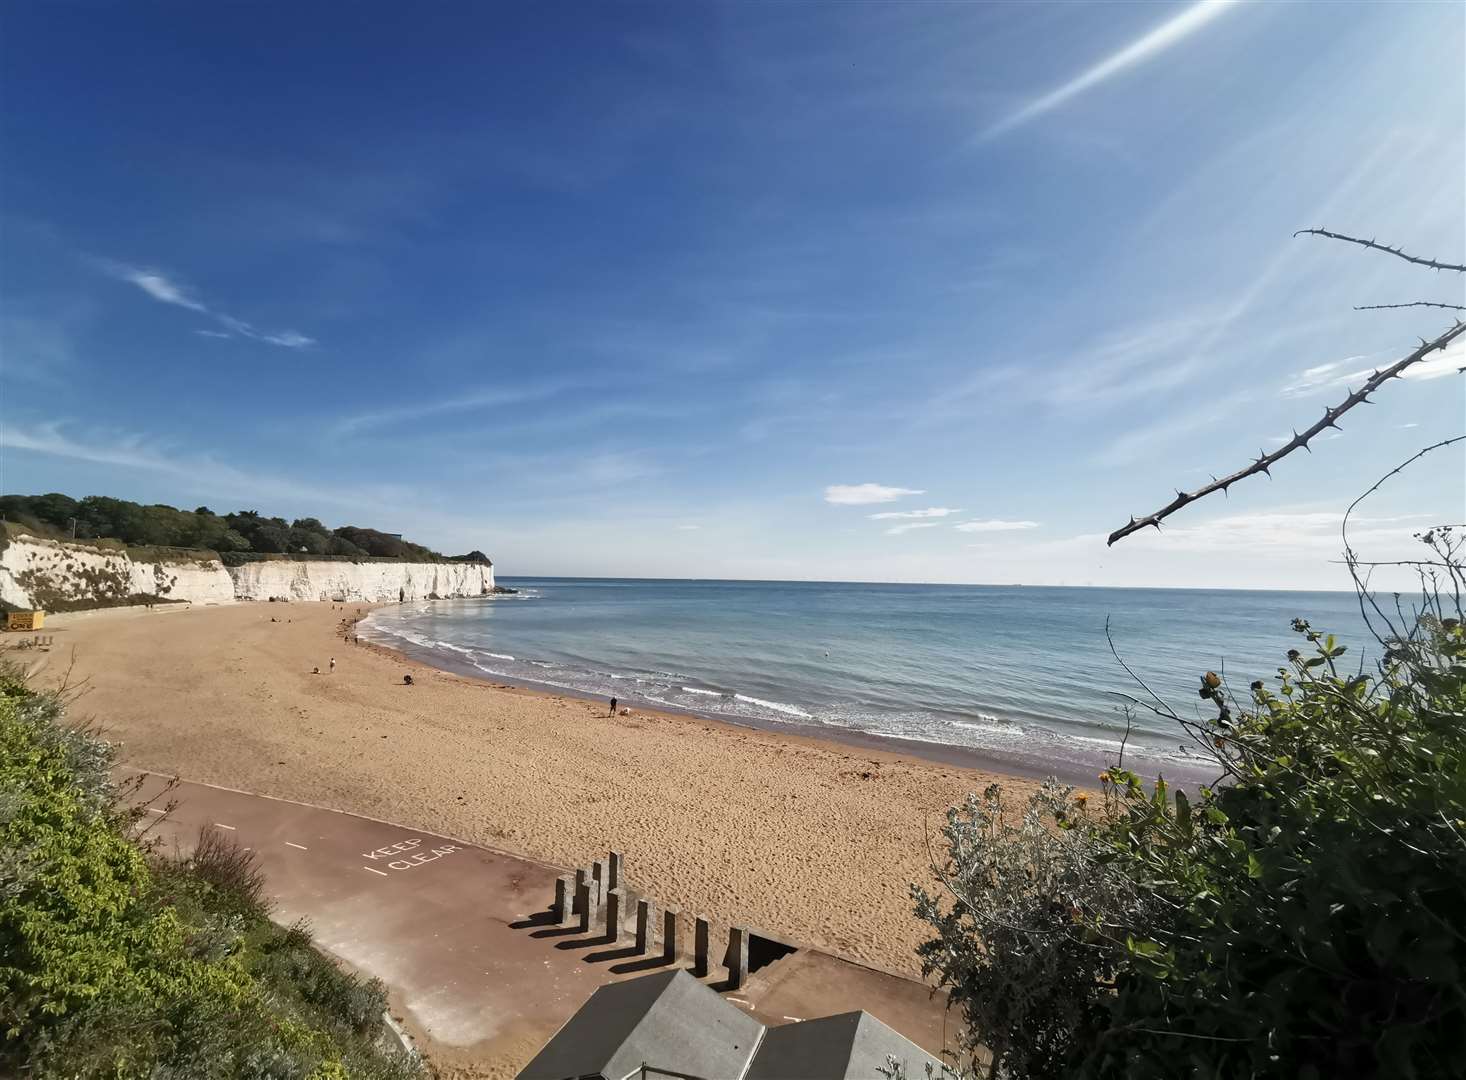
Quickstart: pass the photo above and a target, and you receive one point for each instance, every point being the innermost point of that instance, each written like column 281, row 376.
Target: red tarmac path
column 435, row 919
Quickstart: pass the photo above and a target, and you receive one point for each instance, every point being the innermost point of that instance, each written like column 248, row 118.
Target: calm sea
column 1016, row 673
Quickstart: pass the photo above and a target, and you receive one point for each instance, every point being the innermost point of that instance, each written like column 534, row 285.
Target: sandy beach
column 808, row 839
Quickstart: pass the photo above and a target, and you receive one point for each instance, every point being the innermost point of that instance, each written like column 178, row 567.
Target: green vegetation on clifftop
column 243, row 533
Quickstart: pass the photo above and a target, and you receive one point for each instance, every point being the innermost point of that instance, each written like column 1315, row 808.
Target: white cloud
column 1344, row 373
column 864, row 494
column 688, row 528
column 159, row 287
column 163, row 289
column 897, row 530
column 929, row 512
column 1158, row 40
column 994, row 526
column 290, row 339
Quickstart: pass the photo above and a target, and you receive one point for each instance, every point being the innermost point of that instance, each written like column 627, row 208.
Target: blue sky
column 717, row 290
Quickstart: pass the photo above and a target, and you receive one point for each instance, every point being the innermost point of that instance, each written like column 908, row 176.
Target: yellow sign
column 25, row 620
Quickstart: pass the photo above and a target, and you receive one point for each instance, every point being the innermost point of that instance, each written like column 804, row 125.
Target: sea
column 1020, row 677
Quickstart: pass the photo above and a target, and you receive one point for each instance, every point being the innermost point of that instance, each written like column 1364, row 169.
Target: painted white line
column 739, row 1000
column 221, row 825
column 796, row 1019
column 301, row 846
column 382, row 872
column 155, row 810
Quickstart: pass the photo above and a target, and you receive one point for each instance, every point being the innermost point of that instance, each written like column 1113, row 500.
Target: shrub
column 1302, row 917
column 112, row 965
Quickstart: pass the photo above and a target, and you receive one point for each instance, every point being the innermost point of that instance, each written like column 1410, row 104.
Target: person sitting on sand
column 315, row 670
column 407, row 680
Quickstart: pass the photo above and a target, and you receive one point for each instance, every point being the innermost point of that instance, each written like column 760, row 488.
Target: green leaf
column 1254, row 868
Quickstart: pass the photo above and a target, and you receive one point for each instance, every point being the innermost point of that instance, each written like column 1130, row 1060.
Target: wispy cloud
column 196, row 473
column 994, row 525
column 1346, row 372
column 1168, row 34
column 688, row 528
column 864, row 494
column 485, row 398
column 929, row 512
column 897, row 530
column 158, row 287
column 165, row 290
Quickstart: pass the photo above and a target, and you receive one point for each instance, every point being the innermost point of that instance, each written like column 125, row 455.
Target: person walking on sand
column 613, row 708
column 333, row 665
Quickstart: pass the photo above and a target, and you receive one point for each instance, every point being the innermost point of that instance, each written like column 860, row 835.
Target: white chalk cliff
column 375, row 582
column 57, row 575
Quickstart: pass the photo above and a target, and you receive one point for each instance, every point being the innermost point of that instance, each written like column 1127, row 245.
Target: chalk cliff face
column 49, row 574
column 59, row 576
column 368, row 582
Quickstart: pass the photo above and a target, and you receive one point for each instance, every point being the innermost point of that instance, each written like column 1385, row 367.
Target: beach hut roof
column 842, row 1047
column 667, row 1019
column 675, row 1024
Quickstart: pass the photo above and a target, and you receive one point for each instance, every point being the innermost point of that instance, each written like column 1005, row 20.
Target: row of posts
column 592, row 896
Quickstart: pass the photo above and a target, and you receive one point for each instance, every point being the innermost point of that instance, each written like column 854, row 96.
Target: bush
column 114, row 965
column 1302, row 917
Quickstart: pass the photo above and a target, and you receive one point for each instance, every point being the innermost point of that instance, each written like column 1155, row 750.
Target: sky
column 910, row 292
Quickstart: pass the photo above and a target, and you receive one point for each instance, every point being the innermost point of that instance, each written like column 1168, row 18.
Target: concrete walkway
column 460, row 935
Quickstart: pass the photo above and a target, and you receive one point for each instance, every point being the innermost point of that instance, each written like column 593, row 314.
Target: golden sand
column 807, row 839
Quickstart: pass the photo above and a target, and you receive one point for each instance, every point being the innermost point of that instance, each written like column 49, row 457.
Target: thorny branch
column 1385, row 248
column 1412, row 303
column 1265, row 461
column 1351, row 558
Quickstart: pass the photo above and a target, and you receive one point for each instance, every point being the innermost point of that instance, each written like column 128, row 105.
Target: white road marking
column 155, row 810
column 301, row 846
column 375, row 871
column 221, row 825
column 796, row 1019
column 740, row 1001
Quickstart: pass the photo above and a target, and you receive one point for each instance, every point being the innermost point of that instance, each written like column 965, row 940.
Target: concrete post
column 564, row 899
column 643, row 926
column 598, row 878
column 614, row 915
column 581, row 878
column 613, row 871
column 701, row 931
column 669, row 932
column 583, row 906
column 737, row 957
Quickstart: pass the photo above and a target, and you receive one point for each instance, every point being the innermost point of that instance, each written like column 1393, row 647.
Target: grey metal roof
column 848, row 1046
column 666, row 1019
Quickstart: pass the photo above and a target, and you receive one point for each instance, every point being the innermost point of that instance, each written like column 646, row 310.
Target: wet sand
column 811, row 840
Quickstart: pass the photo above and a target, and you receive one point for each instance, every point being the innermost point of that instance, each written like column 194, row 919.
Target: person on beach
column 407, row 680
column 613, row 708
column 333, row 665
